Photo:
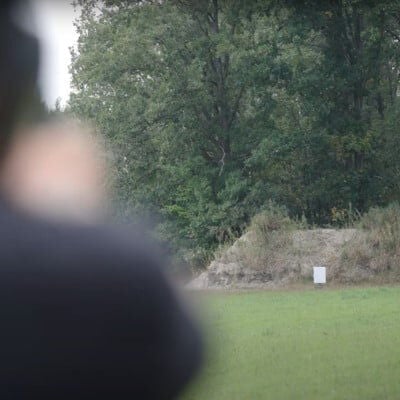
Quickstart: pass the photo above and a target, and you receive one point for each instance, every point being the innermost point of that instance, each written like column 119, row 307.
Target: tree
column 331, row 152
column 216, row 107
column 181, row 88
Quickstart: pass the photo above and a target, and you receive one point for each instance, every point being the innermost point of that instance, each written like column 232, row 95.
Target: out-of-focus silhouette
column 86, row 310
column 57, row 170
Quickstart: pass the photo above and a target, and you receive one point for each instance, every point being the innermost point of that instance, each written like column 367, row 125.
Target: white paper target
column 319, row 275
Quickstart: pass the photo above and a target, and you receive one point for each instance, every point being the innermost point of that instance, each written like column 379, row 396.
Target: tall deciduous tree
column 182, row 88
column 216, row 107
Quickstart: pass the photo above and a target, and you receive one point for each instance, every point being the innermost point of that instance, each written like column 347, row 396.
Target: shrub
column 375, row 251
column 266, row 243
column 273, row 219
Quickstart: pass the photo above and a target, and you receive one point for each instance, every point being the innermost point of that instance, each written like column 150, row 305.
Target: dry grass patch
column 374, row 253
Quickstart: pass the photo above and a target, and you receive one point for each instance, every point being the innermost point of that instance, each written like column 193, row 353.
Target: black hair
column 19, row 61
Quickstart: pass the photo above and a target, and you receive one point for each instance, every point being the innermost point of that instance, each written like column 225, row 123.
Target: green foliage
column 183, row 114
column 345, row 217
column 271, row 220
column 216, row 107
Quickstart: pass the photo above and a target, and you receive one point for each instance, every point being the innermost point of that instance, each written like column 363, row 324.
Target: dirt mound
column 245, row 266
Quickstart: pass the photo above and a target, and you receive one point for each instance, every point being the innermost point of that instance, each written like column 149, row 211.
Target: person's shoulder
column 123, row 248
column 128, row 246
column 102, row 246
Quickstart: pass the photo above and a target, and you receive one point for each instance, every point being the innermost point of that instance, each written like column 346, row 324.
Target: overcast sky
column 53, row 23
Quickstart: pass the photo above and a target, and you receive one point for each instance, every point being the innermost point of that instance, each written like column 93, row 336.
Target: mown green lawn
column 314, row 344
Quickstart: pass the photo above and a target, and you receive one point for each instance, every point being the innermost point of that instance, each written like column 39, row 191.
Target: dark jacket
column 86, row 312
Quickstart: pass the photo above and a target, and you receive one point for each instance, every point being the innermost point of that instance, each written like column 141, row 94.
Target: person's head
column 56, row 170
column 19, row 61
column 52, row 169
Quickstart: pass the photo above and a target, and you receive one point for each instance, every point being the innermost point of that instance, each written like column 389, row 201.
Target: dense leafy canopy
column 217, row 107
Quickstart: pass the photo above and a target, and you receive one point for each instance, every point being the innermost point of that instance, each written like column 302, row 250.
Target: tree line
column 216, row 108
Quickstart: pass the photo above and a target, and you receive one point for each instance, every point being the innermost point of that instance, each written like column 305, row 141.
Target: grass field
column 314, row 344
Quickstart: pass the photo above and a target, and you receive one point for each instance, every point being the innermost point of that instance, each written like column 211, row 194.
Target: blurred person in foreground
column 86, row 310
column 57, row 170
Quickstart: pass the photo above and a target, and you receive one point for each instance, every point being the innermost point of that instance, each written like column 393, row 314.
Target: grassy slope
column 317, row 344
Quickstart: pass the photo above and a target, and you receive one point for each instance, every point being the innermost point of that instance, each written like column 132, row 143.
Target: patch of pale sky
column 52, row 21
